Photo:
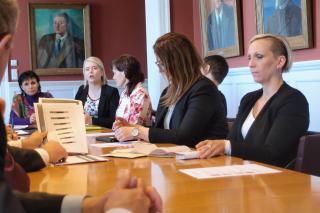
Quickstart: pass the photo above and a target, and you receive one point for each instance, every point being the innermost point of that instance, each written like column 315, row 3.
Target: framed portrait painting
column 221, row 27
column 289, row 18
column 59, row 37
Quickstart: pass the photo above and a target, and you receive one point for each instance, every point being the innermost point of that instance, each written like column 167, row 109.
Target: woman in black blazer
column 271, row 120
column 190, row 108
column 100, row 100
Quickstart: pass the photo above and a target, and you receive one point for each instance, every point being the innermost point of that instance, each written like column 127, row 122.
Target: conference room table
column 286, row 191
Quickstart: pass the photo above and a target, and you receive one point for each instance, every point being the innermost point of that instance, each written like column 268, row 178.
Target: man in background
column 220, row 26
column 60, row 49
column 216, row 69
column 286, row 19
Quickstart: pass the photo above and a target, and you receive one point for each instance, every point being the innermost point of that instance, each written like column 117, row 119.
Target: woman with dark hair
column 22, row 110
column 190, row 108
column 134, row 105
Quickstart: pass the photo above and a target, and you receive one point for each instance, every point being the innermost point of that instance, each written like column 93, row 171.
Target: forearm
column 143, row 133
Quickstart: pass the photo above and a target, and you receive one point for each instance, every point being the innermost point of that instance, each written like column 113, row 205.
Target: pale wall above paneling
column 304, row 76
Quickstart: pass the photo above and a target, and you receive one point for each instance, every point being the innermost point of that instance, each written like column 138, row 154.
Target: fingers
column 133, row 182
column 155, row 198
column 201, row 144
column 123, row 179
column 123, row 134
column 205, row 151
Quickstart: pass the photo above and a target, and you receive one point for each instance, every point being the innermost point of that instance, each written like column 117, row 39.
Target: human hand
column 34, row 140
column 96, row 204
column 126, row 181
column 210, row 148
column 155, row 198
column 11, row 134
column 55, row 150
column 134, row 200
column 123, row 133
column 32, row 118
column 87, row 119
column 120, row 122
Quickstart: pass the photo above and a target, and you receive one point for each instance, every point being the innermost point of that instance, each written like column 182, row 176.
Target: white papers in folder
column 152, row 150
column 64, row 123
column 77, row 159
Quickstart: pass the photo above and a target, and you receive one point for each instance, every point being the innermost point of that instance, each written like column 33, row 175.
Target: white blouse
column 247, row 124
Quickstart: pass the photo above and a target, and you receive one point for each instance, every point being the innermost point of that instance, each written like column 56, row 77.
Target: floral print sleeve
column 137, row 108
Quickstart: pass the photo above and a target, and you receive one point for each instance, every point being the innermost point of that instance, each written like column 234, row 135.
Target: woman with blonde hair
column 190, row 108
column 271, row 120
column 100, row 100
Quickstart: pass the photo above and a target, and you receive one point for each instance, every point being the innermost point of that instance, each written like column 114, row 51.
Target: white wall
column 157, row 24
column 304, row 76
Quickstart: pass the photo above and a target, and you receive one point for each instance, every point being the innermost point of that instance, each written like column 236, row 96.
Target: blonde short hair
column 8, row 16
column 98, row 62
column 279, row 46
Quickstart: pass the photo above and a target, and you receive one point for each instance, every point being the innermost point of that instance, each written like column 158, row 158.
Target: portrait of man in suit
column 221, row 25
column 285, row 19
column 61, row 48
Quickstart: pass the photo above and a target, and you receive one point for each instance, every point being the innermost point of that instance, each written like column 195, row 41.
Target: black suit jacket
column 198, row 115
column 274, row 135
column 23, row 202
column 8, row 202
column 36, row 202
column 28, row 159
column 109, row 101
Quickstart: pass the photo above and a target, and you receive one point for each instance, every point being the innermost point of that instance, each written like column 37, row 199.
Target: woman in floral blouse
column 22, row 110
column 134, row 105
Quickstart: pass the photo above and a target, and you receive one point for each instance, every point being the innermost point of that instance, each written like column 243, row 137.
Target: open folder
column 63, row 119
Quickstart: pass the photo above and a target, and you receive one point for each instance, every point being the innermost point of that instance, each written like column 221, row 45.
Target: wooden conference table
column 287, row 191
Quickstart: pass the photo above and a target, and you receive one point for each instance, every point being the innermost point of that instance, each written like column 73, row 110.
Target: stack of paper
column 147, row 149
column 63, row 119
column 77, row 159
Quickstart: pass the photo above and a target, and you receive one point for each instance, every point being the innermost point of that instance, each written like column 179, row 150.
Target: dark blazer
column 224, row 102
column 109, row 101
column 8, row 202
column 26, row 202
column 198, row 115
column 274, row 135
column 37, row 202
column 28, row 159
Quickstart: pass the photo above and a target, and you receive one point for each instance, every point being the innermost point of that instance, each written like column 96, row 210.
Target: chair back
column 308, row 157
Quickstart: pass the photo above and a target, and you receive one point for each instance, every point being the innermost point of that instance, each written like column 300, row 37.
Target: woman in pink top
column 134, row 105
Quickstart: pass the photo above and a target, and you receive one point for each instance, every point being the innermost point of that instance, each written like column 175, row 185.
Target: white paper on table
column 143, row 148
column 152, row 149
column 107, row 145
column 17, row 127
column 97, row 134
column 22, row 132
column 228, row 171
column 76, row 159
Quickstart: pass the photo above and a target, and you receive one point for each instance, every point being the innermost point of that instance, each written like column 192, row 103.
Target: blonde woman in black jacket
column 271, row 120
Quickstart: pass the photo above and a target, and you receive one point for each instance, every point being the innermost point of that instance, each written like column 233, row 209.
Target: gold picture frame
column 59, row 37
column 295, row 25
column 223, row 35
